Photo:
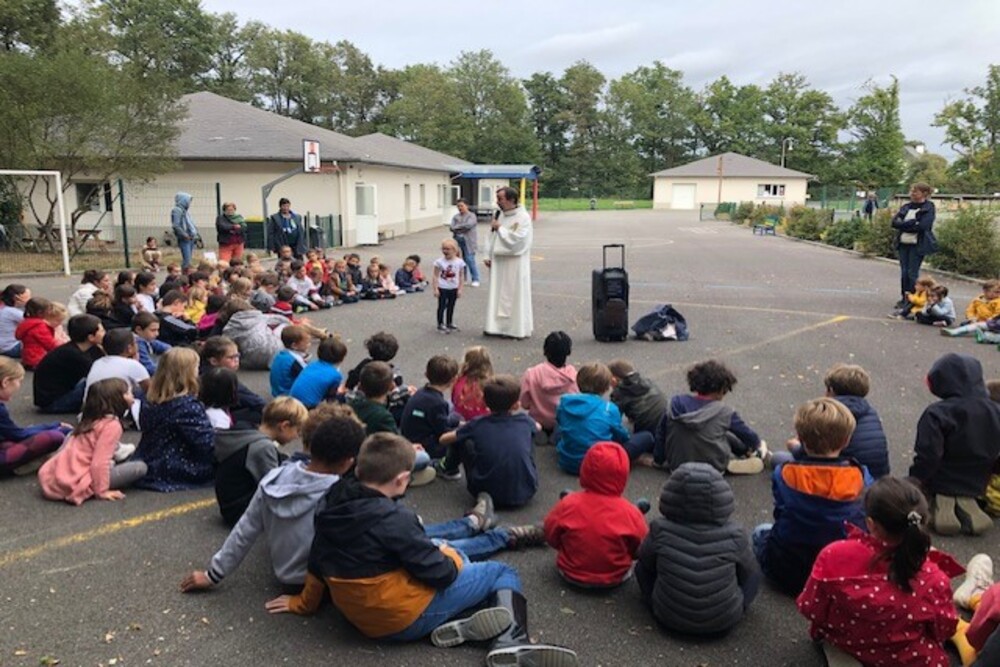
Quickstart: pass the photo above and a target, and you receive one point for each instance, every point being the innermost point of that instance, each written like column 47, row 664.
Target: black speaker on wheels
column 610, row 299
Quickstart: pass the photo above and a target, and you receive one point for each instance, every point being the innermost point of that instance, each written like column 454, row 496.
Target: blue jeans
column 460, row 534
column 14, row 352
column 758, row 540
column 422, row 461
column 473, row 586
column 641, row 442
column 187, row 249
column 469, row 255
column 909, row 268
column 68, row 403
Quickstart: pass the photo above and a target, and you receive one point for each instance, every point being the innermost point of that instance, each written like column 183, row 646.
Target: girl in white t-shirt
column 448, row 284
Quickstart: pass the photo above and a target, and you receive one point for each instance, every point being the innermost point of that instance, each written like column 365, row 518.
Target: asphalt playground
column 99, row 584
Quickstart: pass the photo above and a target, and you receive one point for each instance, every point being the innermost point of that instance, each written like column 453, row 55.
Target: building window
column 364, row 199
column 440, row 196
column 771, row 190
column 485, row 196
column 423, row 196
column 89, row 197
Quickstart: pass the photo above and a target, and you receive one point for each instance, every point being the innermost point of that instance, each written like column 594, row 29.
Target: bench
column 766, row 226
column 624, row 204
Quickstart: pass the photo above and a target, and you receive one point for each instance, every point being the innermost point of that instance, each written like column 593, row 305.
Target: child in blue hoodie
column 586, row 418
column 321, row 379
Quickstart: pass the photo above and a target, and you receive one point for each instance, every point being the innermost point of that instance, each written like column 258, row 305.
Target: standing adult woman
column 463, row 229
column 231, row 229
column 914, row 237
column 285, row 228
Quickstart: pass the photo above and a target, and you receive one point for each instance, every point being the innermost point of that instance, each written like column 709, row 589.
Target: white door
column 682, row 196
column 456, row 194
column 366, row 214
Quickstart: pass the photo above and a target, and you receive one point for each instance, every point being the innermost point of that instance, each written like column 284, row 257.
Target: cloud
column 585, row 43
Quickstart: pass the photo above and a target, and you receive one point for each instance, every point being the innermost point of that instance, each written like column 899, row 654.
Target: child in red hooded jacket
column 597, row 532
column 36, row 333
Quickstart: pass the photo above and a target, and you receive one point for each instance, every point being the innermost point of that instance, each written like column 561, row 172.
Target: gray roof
column 733, row 165
column 479, row 171
column 218, row 128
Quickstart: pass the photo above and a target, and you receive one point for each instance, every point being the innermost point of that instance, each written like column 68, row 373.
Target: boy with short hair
column 306, row 291
column 353, row 260
column 700, row 427
column 496, row 449
column 243, row 456
column 405, row 279
column 289, row 362
column 639, row 399
column 175, row 328
column 389, row 579
column 939, row 310
column 320, row 380
column 263, row 298
column 283, row 505
column 383, row 346
column 428, row 415
column 60, row 379
column 146, row 328
column 813, row 496
column 957, row 445
column 587, row 418
column 119, row 361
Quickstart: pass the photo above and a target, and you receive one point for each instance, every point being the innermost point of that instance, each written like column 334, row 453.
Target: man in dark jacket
column 958, row 441
column 285, row 228
column 695, row 569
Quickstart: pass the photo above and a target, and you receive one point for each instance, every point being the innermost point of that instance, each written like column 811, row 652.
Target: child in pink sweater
column 85, row 466
column 543, row 385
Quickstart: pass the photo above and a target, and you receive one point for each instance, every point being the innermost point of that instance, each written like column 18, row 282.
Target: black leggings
column 446, row 301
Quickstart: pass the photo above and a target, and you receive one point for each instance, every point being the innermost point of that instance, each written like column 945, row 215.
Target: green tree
column 730, row 118
column 929, row 168
column 284, row 65
column 27, row 24
column 581, row 171
column 358, row 93
column 972, row 128
column 809, row 119
column 548, row 106
column 229, row 72
column 428, row 111
column 876, row 154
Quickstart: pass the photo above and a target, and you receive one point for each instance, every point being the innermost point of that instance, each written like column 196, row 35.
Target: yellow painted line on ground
column 753, row 346
column 103, row 531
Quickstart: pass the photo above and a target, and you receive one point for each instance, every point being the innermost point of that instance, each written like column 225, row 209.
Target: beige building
column 376, row 184
column 729, row 177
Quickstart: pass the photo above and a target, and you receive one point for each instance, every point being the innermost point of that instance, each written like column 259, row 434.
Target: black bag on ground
column 663, row 323
column 610, row 299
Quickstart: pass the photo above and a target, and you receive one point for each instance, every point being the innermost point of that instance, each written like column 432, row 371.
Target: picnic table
column 91, row 235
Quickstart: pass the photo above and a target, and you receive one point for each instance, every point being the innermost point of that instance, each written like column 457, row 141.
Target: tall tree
column 428, row 112
column 876, row 154
column 929, row 168
column 358, row 91
column 730, row 118
column 972, row 128
column 229, row 72
column 805, row 118
column 27, row 24
column 283, row 65
column 581, row 170
column 548, row 108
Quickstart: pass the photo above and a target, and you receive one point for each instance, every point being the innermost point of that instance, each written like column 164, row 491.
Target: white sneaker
column 978, row 577
column 474, row 283
column 751, row 465
column 125, row 450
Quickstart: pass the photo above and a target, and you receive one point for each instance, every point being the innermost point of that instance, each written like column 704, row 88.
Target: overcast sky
column 935, row 49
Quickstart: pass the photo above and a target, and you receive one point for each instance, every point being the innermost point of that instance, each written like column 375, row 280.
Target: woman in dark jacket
column 914, row 237
column 695, row 568
column 231, row 231
column 285, row 228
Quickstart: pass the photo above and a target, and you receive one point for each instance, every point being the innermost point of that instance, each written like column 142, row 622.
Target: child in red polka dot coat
column 884, row 597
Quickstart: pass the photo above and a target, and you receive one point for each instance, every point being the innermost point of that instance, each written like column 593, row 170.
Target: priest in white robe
column 508, row 309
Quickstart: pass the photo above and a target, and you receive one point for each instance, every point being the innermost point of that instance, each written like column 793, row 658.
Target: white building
column 729, row 177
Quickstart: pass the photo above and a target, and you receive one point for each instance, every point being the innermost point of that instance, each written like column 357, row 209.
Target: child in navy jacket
column 428, row 415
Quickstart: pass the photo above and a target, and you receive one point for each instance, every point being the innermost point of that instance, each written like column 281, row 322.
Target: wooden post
column 718, row 200
column 523, row 189
column 534, row 199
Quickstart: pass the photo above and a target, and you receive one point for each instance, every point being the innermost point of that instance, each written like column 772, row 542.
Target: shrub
column 878, row 239
column 725, row 210
column 969, row 243
column 807, row 223
column 743, row 212
column 10, row 202
column 844, row 233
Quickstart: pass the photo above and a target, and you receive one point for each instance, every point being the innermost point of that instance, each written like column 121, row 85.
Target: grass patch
column 583, row 204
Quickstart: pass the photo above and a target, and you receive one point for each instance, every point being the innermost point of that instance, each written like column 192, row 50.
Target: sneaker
column 443, row 329
column 452, row 327
column 645, row 461
column 980, row 336
column 474, row 283
column 29, row 468
column 950, row 332
column 978, row 577
column 532, row 535
column 445, row 474
column 751, row 465
column 972, row 517
column 123, row 451
column 423, row 477
column 944, row 520
column 523, row 655
column 483, row 511
column 763, row 453
column 484, row 624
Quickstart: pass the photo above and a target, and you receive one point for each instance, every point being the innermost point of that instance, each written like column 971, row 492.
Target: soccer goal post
column 60, row 206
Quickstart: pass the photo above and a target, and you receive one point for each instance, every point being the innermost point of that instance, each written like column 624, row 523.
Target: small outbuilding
column 729, row 177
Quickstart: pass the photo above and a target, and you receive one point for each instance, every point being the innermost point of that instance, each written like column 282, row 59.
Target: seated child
column 700, row 427
column 151, row 254
column 36, row 333
column 388, row 283
column 849, row 384
column 543, row 385
column 886, row 594
column 980, row 310
column 353, row 261
column 245, row 455
column 264, row 297
column 939, row 310
column 916, row 300
column 957, row 444
column 20, row 446
column 695, row 569
column 639, row 399
column 383, row 346
column 284, row 503
column 218, row 393
column 57, row 319
column 207, row 325
column 197, row 303
column 320, row 380
column 406, row 279
column 342, row 286
column 813, row 496
column 175, row 328
column 124, row 305
column 306, row 291
column 587, row 417
column 428, row 415
column 284, row 255
column 222, row 351
column 392, row 582
column 467, row 394
column 87, row 466
column 60, row 378
column 496, row 450
column 119, row 361
column 596, row 532
column 100, row 306
column 284, row 306
column 177, row 437
column 288, row 363
column 146, row 328
column 371, row 287
column 146, row 292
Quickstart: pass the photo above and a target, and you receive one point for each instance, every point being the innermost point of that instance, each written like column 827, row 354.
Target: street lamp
column 787, row 141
